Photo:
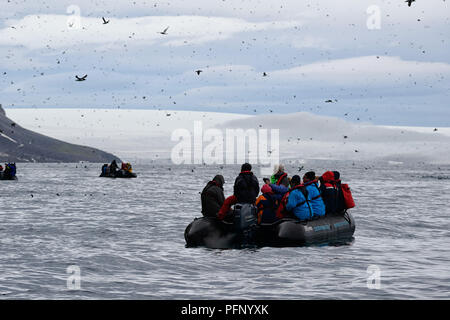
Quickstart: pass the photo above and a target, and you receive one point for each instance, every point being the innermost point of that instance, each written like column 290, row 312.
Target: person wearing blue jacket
column 299, row 200
column 317, row 204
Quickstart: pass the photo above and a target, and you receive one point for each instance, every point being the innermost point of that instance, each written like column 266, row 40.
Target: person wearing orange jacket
column 268, row 202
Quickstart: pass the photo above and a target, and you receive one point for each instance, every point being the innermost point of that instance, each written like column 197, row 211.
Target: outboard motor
column 245, row 221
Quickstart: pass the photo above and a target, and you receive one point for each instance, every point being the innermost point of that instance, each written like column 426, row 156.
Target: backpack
column 347, row 195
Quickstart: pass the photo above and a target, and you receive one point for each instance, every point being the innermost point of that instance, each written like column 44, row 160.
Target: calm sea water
column 126, row 236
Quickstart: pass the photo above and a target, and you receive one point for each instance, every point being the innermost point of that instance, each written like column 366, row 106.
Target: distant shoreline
column 142, row 134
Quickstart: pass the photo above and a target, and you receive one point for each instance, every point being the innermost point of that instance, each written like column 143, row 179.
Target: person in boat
column 279, row 177
column 311, row 184
column 246, row 189
column 1, row 168
column 126, row 167
column 268, row 202
column 105, row 169
column 10, row 170
column 212, row 197
column 330, row 185
column 299, row 201
column 246, row 185
column 225, row 210
column 113, row 167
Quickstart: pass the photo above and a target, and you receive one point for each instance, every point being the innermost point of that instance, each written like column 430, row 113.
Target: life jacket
column 264, row 203
column 281, row 178
column 281, row 210
column 315, row 184
column 128, row 167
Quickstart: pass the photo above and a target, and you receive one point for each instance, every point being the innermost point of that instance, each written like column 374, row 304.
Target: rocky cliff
column 21, row 145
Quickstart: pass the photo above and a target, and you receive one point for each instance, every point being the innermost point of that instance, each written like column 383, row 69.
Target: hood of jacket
column 328, row 177
column 219, row 180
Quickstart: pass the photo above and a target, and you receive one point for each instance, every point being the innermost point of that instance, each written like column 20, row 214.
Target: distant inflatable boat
column 119, row 174
column 7, row 177
column 213, row 233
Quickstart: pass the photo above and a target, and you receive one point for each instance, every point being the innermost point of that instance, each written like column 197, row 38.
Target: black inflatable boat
column 213, row 233
column 119, row 174
column 3, row 176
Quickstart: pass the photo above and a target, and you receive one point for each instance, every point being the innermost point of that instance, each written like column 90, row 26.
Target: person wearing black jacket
column 212, row 197
column 246, row 186
column 113, row 167
column 330, row 189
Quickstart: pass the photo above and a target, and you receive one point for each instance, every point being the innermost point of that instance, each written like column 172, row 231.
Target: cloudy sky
column 378, row 61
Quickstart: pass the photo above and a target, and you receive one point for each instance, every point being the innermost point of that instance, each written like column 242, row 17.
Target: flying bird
column 165, row 31
column 410, row 2
column 105, row 21
column 198, row 72
column 81, row 79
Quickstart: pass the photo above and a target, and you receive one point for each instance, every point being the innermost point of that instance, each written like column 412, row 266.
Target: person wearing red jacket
column 226, row 207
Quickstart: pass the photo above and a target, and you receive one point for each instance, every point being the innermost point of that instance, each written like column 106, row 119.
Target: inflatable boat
column 7, row 177
column 119, row 174
column 214, row 233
